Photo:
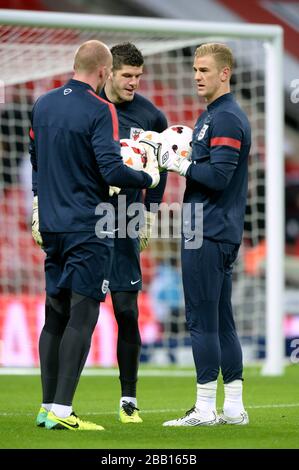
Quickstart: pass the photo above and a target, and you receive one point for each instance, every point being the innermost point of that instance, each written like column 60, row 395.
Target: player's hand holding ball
column 141, row 157
column 175, row 150
column 178, row 158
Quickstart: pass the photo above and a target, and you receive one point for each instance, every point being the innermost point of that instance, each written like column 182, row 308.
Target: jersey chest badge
column 135, row 133
column 202, row 132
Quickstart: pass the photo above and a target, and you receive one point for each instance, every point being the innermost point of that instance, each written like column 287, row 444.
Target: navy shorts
column 126, row 271
column 77, row 261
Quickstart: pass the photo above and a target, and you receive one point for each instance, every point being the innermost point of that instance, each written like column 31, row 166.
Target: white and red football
column 133, row 154
column 179, row 138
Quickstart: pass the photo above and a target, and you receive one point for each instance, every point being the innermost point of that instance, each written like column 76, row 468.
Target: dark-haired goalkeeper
column 135, row 114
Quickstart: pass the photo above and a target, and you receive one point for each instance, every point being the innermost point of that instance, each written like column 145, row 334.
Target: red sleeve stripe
column 113, row 115
column 31, row 133
column 236, row 144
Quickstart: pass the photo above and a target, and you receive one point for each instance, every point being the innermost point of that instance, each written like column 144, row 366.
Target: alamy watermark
column 174, row 221
column 295, row 353
column 294, row 97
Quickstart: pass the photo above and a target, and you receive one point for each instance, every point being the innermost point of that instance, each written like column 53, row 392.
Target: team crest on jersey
column 67, row 91
column 202, row 132
column 135, row 133
column 105, row 286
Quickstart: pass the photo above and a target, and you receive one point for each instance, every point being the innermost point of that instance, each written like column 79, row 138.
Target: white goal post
column 36, row 45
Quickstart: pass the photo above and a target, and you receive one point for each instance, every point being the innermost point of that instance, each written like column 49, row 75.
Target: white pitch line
column 166, row 410
column 104, row 372
column 173, row 410
column 113, row 372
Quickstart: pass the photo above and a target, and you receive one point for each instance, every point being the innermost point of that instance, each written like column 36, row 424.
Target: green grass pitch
column 272, row 404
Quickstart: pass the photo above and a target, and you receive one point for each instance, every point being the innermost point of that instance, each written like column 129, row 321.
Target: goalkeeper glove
column 152, row 152
column 35, row 223
column 172, row 162
column 114, row 190
column 181, row 165
column 146, row 230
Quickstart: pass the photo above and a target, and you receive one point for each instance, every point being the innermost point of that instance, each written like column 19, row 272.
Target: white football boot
column 242, row 419
column 193, row 417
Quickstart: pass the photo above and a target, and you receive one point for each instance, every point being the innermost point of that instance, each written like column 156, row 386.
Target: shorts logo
column 67, row 91
column 202, row 132
column 105, row 286
column 135, row 133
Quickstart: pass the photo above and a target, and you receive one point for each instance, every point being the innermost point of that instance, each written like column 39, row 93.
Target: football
column 179, row 138
column 133, row 154
column 151, row 135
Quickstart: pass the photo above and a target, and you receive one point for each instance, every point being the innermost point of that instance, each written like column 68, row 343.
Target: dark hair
column 126, row 54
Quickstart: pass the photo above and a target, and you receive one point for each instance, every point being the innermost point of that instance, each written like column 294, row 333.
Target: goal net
column 37, row 55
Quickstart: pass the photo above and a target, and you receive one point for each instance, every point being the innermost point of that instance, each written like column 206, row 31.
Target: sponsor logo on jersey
column 67, row 91
column 105, row 286
column 135, row 133
column 202, row 132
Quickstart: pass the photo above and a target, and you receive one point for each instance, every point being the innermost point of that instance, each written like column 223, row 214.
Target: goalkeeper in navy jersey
column 135, row 114
column 75, row 156
column 216, row 188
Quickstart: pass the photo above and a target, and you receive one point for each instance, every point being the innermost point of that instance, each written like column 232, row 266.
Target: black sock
column 57, row 316
column 129, row 341
column 75, row 345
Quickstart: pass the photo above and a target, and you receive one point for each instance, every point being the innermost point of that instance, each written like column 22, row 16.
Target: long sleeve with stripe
column 217, row 170
column 75, row 156
column 218, row 176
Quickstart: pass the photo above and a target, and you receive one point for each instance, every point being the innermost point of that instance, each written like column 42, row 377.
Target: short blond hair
column 222, row 53
column 90, row 55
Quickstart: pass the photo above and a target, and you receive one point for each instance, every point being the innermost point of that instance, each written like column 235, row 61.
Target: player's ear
column 110, row 75
column 225, row 74
column 104, row 71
